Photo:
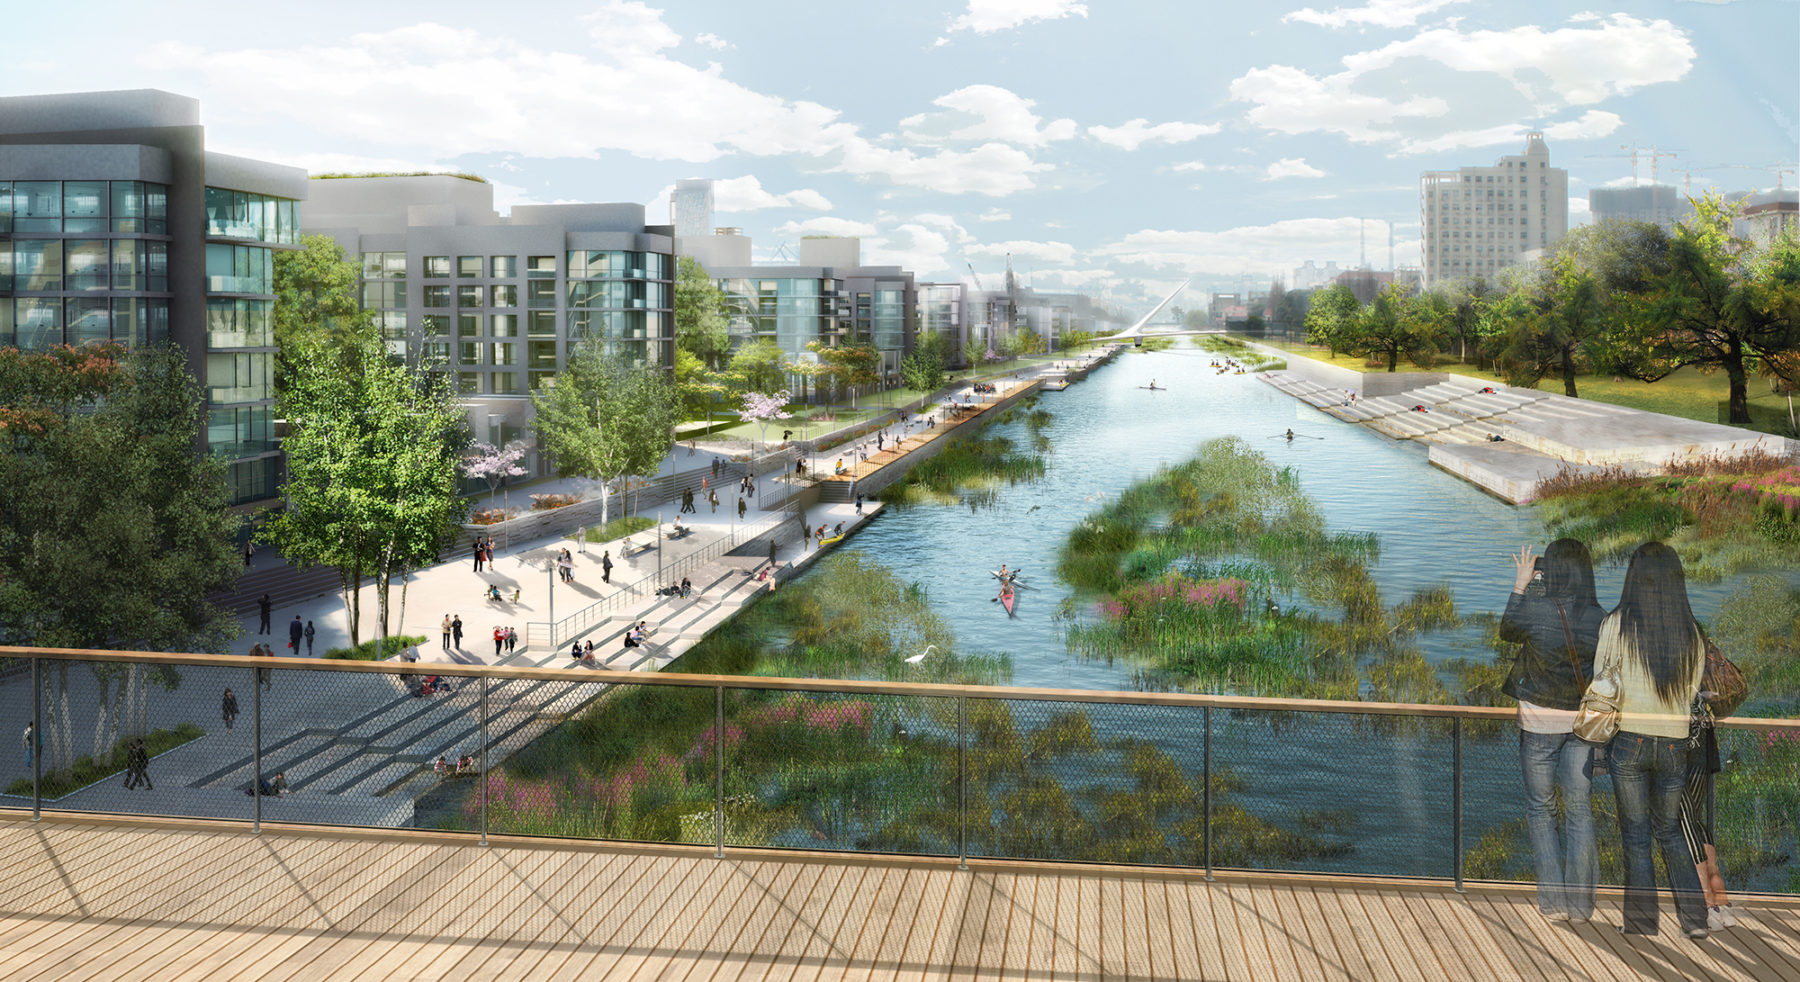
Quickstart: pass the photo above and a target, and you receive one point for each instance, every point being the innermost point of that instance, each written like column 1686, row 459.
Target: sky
column 1110, row 146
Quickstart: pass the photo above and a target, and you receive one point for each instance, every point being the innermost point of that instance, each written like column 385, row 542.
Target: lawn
column 1686, row 393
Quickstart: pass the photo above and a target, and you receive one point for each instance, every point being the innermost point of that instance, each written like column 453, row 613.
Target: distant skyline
column 1115, row 147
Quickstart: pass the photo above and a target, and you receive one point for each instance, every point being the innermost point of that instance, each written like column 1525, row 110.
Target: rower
column 1004, row 574
column 1290, row 435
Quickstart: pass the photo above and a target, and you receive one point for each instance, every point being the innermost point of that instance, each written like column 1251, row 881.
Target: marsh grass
column 969, row 471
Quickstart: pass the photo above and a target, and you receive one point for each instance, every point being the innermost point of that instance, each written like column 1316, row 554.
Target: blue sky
column 1114, row 147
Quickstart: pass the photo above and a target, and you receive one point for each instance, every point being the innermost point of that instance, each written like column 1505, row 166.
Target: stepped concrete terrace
column 192, row 901
column 1540, row 433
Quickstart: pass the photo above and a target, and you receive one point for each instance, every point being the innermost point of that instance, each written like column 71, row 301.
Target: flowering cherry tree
column 763, row 409
column 494, row 464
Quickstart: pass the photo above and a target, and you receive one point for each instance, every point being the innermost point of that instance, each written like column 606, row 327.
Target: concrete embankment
column 1507, row 440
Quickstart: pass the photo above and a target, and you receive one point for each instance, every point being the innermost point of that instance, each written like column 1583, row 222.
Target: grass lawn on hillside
column 1686, row 393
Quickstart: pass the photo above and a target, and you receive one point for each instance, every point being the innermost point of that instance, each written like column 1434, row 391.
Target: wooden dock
column 175, row 900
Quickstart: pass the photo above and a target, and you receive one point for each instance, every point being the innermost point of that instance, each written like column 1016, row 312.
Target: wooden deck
column 168, row 901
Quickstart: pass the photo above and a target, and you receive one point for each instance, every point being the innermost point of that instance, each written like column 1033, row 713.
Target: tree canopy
column 702, row 314
column 604, row 420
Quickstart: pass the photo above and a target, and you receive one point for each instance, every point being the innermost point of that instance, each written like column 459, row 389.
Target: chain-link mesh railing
column 1122, row 778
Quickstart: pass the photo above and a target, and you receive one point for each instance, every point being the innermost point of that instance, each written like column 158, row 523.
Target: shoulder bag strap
column 1569, row 636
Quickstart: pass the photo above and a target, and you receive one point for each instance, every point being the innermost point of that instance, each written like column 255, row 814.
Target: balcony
column 523, row 880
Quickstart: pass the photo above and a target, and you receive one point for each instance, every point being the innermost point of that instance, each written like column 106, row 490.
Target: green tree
column 604, row 420
column 758, row 367
column 1394, row 324
column 848, row 366
column 114, row 530
column 1705, row 311
column 698, row 390
column 1030, row 342
column 318, row 290
column 373, row 453
column 922, row 370
column 1468, row 299
column 974, row 351
column 1331, row 318
column 702, row 314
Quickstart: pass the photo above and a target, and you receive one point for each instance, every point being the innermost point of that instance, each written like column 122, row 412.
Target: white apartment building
column 1480, row 220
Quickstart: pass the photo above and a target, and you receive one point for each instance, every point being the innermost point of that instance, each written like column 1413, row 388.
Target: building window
column 468, row 296
column 503, row 326
column 503, row 295
column 37, row 264
column 437, row 267
column 540, row 293
column 85, row 264
column 437, row 296
column 469, row 353
column 468, row 266
column 468, row 325
column 504, row 353
column 435, row 325
column 505, row 383
column 541, row 267
column 540, row 354
column 384, row 265
column 541, row 324
column 503, row 267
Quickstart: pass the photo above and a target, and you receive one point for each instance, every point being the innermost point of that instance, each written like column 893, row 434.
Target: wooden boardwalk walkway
column 170, row 901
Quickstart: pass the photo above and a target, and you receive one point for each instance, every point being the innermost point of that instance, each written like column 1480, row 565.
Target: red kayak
column 1006, row 600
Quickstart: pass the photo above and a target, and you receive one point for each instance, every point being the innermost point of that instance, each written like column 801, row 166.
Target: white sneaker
column 1727, row 916
column 1715, row 921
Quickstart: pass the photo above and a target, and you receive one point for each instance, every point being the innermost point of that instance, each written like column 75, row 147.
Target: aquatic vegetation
column 1240, row 352
column 968, row 471
column 1190, row 568
column 1722, row 515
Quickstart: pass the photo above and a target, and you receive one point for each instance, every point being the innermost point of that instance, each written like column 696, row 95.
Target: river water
column 1110, row 430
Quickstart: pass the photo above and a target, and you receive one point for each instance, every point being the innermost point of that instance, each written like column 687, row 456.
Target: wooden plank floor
column 126, row 900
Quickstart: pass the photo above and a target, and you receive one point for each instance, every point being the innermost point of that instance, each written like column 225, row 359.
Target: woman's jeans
column 1648, row 774
column 1567, row 865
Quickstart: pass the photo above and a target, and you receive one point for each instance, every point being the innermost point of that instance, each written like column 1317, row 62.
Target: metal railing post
column 37, row 740
column 484, row 759
column 256, row 750
column 962, row 781
column 1206, row 786
column 1456, row 800
column 719, row 772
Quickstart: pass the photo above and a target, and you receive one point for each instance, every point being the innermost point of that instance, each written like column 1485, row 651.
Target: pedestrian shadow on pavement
column 585, row 591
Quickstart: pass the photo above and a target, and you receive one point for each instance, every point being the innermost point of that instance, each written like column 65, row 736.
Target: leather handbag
column 1724, row 681
column 1597, row 718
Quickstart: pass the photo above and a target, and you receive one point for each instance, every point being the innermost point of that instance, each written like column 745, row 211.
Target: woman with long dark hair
column 1554, row 618
column 1654, row 646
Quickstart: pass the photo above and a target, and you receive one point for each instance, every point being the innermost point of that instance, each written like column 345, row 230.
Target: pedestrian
column 512, row 640
column 137, row 762
column 249, row 551
column 499, row 640
column 228, row 708
column 456, row 631
column 478, row 555
column 800, row 467
column 606, row 566
column 741, row 509
column 296, row 631
column 771, row 551
column 859, row 503
column 715, row 468
column 1652, row 649
column 34, row 741
column 1698, row 832
column 264, row 675
column 1556, row 625
column 446, row 632
column 880, row 441
column 581, row 538
column 712, row 498
column 309, row 638
column 263, row 607
column 687, row 502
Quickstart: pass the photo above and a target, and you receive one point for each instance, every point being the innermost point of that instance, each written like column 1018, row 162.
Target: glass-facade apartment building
column 117, row 224
column 501, row 301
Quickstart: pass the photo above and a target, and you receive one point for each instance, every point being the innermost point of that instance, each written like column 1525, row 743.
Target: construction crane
column 1781, row 168
column 1636, row 153
column 975, row 276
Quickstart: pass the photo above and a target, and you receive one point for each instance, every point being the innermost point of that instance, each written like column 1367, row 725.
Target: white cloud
column 1289, row 100
column 824, row 225
column 984, row 113
column 915, row 246
column 1590, row 125
column 1137, row 132
column 713, row 41
column 1578, row 211
column 439, row 92
column 994, row 215
column 1378, row 13
column 1021, row 249
column 1291, row 167
column 989, row 16
column 1260, row 250
column 1570, row 66
column 1074, row 279
column 1188, row 166
column 746, row 194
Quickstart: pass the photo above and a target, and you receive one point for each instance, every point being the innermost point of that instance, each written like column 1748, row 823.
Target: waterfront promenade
column 185, row 902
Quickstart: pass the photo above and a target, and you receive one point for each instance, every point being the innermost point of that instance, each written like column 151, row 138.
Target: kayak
column 835, row 538
column 1006, row 600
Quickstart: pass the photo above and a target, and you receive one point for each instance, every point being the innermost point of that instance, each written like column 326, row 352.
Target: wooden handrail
column 857, row 686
